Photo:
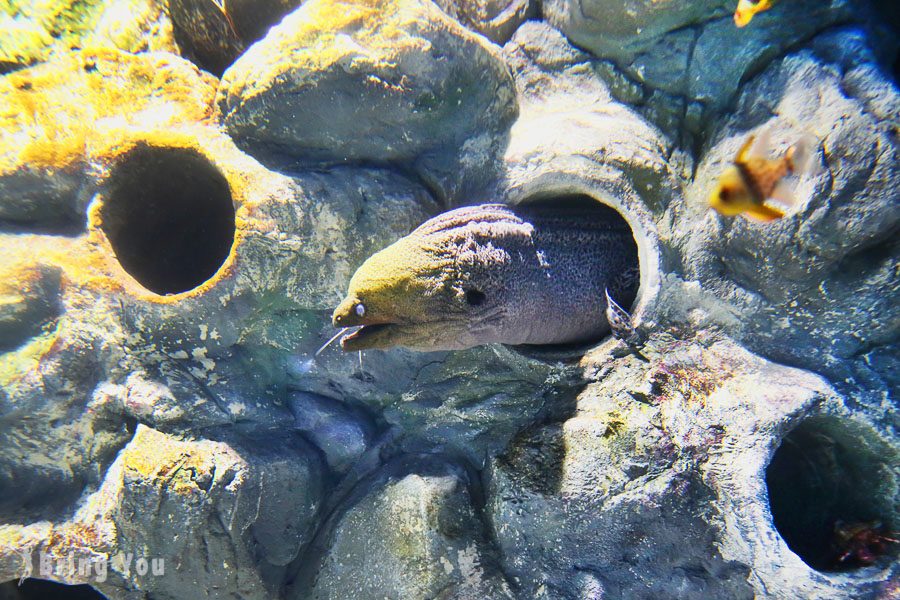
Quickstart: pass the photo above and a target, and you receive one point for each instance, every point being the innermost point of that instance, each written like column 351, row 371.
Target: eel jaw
column 368, row 337
column 415, row 336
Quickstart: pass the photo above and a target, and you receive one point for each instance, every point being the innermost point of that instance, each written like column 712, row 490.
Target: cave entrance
column 833, row 486
column 169, row 216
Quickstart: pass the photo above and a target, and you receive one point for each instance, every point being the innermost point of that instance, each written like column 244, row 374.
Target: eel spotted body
column 494, row 274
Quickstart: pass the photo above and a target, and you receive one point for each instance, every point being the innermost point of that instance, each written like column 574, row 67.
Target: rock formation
column 172, row 244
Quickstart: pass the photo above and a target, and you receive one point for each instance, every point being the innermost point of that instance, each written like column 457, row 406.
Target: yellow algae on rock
column 32, row 31
column 182, row 467
column 64, row 102
column 369, row 80
column 54, row 115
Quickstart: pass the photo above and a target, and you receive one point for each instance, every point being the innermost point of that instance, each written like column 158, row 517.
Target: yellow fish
column 746, row 186
column 747, row 9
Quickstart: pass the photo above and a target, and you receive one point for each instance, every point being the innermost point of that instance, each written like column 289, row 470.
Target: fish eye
column 475, row 297
column 724, row 195
column 360, row 309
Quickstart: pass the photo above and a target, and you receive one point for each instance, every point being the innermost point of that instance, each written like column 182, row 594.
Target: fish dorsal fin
column 484, row 213
column 756, row 145
column 763, row 145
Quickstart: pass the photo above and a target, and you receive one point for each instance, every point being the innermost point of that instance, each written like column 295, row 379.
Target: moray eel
column 493, row 274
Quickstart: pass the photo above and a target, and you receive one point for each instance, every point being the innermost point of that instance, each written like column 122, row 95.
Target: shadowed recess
column 30, row 305
column 834, row 493
column 41, row 589
column 169, row 216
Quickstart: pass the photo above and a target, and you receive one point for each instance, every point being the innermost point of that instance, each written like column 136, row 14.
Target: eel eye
column 360, row 309
column 724, row 195
column 475, row 297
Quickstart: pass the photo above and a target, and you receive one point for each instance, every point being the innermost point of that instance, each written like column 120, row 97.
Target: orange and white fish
column 747, row 9
column 755, row 186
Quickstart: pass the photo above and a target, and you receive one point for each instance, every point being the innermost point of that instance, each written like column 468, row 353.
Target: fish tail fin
column 784, row 193
column 790, row 159
column 799, row 157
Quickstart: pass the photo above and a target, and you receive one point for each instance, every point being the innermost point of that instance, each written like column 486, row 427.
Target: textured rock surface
column 58, row 114
column 389, row 81
column 416, row 535
column 214, row 34
column 814, row 290
column 687, row 58
column 31, row 32
column 205, row 424
column 494, row 19
column 655, row 487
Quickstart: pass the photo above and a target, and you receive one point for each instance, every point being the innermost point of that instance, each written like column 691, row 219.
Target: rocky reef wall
column 180, row 213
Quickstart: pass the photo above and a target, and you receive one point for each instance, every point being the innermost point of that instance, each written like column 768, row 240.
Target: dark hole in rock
column 475, row 297
column 896, row 69
column 41, row 589
column 834, row 487
column 169, row 216
column 623, row 290
column 213, row 34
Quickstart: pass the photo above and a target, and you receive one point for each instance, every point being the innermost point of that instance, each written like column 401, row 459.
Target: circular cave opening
column 587, row 215
column 41, row 589
column 169, row 216
column 834, row 494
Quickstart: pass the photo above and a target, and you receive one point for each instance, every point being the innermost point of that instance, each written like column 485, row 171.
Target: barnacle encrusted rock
column 662, row 459
column 376, row 81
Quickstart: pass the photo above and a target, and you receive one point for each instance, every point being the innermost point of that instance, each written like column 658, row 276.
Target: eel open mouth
column 362, row 338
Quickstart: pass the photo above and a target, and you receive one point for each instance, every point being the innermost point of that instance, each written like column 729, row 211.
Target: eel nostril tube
column 169, row 216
